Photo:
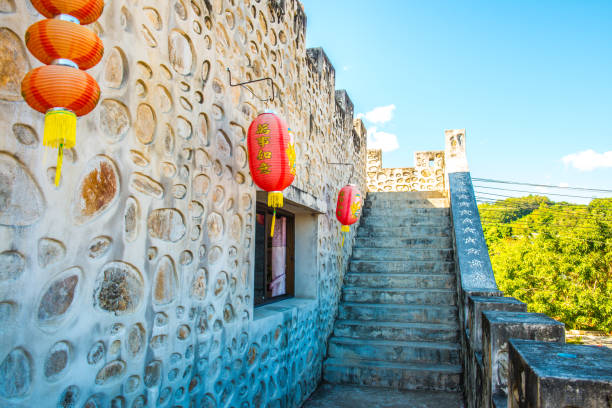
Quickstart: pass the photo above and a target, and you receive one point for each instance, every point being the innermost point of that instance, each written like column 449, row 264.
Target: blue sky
column 531, row 81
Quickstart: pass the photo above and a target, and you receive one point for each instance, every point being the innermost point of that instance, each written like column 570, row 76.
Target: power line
column 535, row 192
column 551, row 204
column 547, row 211
column 519, row 224
column 560, row 236
column 539, row 185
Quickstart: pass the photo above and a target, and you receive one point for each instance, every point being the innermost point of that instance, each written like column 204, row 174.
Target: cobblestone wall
column 427, row 175
column 131, row 283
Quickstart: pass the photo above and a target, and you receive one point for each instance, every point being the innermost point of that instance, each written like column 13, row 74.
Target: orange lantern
column 60, row 89
column 51, row 39
column 348, row 208
column 271, row 157
column 86, row 11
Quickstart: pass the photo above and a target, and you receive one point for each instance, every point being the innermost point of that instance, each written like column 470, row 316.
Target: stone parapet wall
column 500, row 370
column 132, row 281
column 427, row 175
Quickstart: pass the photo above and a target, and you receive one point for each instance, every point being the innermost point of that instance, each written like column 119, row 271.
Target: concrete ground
column 348, row 396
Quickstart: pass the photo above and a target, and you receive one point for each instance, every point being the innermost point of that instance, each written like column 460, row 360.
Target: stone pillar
column 542, row 375
column 478, row 304
column 498, row 328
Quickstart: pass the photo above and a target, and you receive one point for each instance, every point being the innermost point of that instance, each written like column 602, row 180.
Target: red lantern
column 61, row 90
column 348, row 208
column 271, row 157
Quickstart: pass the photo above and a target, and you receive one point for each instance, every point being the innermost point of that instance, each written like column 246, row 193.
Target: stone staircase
column 397, row 325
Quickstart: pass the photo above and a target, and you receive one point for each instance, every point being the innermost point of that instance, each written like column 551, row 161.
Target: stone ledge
column 275, row 313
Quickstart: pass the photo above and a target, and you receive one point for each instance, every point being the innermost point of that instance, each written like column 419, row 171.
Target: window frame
column 289, row 255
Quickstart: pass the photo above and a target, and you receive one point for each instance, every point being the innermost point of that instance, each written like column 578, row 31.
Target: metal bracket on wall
column 271, row 82
column 346, row 164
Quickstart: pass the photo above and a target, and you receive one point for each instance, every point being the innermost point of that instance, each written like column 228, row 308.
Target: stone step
column 400, row 296
column 407, row 243
column 404, row 196
column 398, row 208
column 405, row 267
column 402, row 376
column 397, row 331
column 398, row 313
column 414, row 221
column 404, row 232
column 394, row 350
column 409, row 203
column 400, row 280
column 403, row 254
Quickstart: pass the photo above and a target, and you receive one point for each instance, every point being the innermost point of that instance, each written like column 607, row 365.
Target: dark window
column 274, row 256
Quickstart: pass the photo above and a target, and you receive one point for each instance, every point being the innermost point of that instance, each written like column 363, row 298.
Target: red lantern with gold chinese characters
column 271, row 157
column 60, row 89
column 348, row 208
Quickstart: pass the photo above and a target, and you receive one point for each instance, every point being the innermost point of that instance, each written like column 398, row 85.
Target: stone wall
column 427, row 175
column 131, row 283
column 511, row 358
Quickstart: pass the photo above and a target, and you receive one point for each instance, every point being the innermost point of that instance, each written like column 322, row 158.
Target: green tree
column 556, row 257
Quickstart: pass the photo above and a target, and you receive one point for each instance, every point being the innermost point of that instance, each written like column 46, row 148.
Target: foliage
column 556, row 257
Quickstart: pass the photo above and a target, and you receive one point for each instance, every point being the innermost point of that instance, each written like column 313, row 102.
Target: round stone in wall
column 57, row 360
column 58, row 297
column 12, row 264
column 119, row 288
column 111, row 372
column 115, row 120
column 25, row 134
column 21, row 201
column 99, row 246
column 14, row 63
column 15, row 374
column 166, row 224
column 165, row 282
column 136, row 339
column 97, row 190
column 181, row 52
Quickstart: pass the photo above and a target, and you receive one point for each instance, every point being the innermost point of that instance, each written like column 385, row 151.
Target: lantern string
column 273, row 223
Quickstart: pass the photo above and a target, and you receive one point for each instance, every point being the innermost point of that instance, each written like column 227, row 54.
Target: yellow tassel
column 59, row 133
column 60, row 161
column 344, row 228
column 275, row 199
column 273, row 223
column 60, row 128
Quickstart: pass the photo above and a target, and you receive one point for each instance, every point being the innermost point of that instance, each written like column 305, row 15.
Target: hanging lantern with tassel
column 271, row 157
column 348, row 208
column 60, row 89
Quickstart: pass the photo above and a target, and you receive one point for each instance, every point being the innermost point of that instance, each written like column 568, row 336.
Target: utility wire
column 546, row 211
column 498, row 201
column 560, row 236
column 526, row 224
column 534, row 192
column 539, row 228
column 539, row 185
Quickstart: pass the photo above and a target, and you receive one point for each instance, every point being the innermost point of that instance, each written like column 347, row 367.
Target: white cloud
column 387, row 142
column 563, row 184
column 588, row 160
column 346, row 68
column 381, row 114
